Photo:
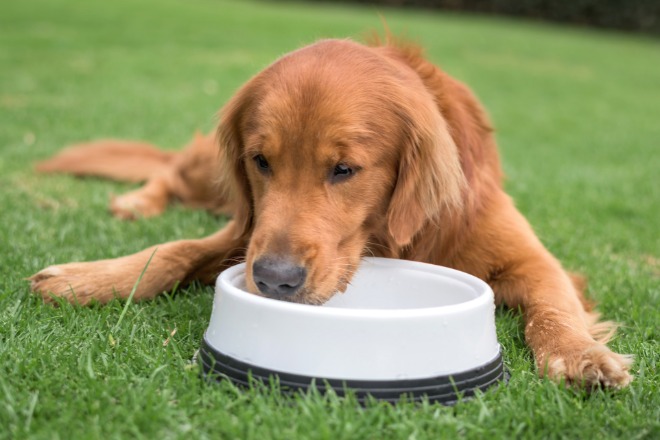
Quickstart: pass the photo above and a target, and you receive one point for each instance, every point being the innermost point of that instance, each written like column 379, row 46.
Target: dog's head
column 333, row 146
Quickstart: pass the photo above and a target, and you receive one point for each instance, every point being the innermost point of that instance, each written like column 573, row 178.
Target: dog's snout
column 278, row 277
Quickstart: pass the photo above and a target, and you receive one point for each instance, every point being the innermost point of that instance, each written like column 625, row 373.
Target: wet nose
column 278, row 277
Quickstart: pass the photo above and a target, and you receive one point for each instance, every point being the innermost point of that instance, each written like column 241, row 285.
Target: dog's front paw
column 75, row 282
column 596, row 365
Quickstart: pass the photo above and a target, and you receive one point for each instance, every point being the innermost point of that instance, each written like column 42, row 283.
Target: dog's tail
column 112, row 159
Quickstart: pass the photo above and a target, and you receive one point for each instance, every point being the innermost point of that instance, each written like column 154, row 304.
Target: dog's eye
column 341, row 172
column 262, row 163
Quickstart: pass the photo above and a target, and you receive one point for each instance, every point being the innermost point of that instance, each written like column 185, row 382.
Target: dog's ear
column 229, row 135
column 430, row 186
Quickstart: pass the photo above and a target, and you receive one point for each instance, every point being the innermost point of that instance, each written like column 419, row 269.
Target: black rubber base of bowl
column 443, row 389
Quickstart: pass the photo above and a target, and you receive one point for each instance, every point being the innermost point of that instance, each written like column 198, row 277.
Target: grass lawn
column 578, row 120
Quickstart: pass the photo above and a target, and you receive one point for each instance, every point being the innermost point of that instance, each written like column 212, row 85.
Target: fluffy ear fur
column 233, row 122
column 430, row 183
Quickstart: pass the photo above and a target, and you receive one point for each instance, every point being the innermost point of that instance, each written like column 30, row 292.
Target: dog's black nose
column 278, row 277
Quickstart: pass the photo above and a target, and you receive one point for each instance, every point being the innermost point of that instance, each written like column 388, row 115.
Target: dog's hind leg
column 193, row 179
column 112, row 159
column 190, row 176
column 147, row 201
column 128, row 161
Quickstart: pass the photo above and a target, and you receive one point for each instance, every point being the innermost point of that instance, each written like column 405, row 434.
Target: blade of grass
column 129, row 300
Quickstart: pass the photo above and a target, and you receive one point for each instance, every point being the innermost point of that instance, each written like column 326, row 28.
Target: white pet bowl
column 401, row 327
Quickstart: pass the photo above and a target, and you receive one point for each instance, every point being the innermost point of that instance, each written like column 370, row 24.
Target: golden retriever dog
column 336, row 151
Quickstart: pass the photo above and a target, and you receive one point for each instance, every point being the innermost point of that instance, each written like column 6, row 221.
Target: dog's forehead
column 324, row 96
column 313, row 130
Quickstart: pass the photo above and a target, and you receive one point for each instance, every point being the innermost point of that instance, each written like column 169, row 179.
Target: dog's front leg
column 168, row 264
column 567, row 340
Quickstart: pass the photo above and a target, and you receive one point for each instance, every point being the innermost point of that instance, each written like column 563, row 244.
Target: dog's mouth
column 303, row 297
column 310, row 297
column 308, row 294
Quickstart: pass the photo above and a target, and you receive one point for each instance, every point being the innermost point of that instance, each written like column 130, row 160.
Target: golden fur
column 426, row 187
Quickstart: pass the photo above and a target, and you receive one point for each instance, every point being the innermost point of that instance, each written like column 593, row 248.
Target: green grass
column 577, row 119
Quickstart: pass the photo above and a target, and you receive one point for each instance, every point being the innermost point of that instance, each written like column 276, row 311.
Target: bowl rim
column 484, row 294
